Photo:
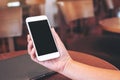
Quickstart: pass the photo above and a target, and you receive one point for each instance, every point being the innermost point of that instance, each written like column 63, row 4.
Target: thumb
column 58, row 41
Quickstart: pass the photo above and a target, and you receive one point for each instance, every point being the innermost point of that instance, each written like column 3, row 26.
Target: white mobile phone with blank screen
column 43, row 40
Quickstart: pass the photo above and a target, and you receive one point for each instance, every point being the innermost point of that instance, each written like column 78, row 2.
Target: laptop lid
column 20, row 68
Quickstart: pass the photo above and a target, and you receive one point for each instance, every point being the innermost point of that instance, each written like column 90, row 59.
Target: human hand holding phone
column 44, row 45
column 56, row 64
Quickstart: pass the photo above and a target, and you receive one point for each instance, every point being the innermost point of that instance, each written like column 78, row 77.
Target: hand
column 57, row 64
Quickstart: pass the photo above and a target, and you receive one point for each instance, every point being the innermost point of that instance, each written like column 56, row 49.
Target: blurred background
column 89, row 26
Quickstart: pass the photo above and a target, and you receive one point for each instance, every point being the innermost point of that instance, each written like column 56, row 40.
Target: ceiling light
column 13, row 4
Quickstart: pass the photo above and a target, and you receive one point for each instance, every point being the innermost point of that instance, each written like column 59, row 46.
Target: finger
column 57, row 39
column 28, row 38
column 32, row 54
column 31, row 51
column 30, row 46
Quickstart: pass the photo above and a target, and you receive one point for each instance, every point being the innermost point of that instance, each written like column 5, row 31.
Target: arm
column 79, row 71
column 67, row 66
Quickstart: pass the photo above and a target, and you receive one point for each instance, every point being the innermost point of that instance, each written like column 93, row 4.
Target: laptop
column 21, row 68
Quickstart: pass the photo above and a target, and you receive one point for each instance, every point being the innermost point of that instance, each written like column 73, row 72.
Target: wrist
column 70, row 70
column 66, row 66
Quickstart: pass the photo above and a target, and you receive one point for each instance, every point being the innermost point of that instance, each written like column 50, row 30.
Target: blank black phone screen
column 42, row 37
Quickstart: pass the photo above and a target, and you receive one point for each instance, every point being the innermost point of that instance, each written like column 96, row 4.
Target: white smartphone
column 43, row 41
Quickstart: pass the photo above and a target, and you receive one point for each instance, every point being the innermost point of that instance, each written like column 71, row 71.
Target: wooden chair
column 36, row 7
column 10, row 25
column 73, row 10
column 110, row 4
column 104, row 47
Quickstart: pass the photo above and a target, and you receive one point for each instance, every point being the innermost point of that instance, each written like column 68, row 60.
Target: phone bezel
column 46, row 56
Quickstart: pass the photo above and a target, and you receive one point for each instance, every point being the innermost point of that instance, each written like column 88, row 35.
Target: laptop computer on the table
column 21, row 68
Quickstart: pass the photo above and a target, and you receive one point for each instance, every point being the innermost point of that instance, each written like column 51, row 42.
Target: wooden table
column 111, row 24
column 81, row 57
